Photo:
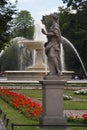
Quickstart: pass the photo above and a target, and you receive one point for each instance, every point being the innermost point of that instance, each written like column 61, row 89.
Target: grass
column 33, row 93
column 81, row 85
column 38, row 93
column 17, row 117
column 77, row 128
column 75, row 105
column 71, row 93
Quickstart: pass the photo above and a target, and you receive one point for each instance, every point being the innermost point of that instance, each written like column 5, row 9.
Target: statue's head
column 48, row 20
column 54, row 16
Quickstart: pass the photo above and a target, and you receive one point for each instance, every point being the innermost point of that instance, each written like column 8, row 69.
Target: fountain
column 39, row 69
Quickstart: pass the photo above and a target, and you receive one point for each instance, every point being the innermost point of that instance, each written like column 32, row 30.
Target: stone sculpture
column 53, row 46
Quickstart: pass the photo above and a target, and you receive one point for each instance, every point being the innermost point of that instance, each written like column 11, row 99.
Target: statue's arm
column 47, row 33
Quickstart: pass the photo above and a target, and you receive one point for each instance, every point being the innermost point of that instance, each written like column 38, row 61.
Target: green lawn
column 33, row 93
column 75, row 105
column 38, row 93
column 71, row 93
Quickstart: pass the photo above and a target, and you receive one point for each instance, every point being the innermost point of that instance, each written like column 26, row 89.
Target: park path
column 2, row 127
column 74, row 113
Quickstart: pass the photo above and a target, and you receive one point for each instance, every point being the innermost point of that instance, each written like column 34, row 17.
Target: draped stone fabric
column 52, row 46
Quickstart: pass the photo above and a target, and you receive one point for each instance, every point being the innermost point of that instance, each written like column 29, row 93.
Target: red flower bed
column 22, row 103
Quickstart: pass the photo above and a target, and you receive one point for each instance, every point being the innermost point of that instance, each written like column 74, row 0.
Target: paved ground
column 2, row 127
column 78, row 113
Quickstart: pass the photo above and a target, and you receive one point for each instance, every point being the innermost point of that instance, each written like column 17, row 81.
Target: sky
column 38, row 8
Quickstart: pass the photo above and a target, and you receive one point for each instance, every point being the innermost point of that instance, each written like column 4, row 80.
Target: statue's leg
column 51, row 61
column 59, row 65
column 55, row 61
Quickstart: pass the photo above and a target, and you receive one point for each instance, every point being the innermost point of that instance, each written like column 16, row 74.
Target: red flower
column 21, row 102
column 84, row 116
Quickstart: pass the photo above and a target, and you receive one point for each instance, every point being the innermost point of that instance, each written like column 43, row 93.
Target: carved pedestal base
column 52, row 92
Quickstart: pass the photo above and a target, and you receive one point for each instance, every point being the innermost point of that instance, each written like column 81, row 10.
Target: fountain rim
column 31, row 41
column 33, row 44
column 28, row 71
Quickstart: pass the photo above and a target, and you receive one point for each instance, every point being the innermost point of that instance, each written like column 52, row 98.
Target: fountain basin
column 67, row 75
column 32, row 44
column 33, row 75
column 25, row 75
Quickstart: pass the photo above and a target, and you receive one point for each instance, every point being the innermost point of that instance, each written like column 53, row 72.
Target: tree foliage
column 10, row 59
column 16, row 56
column 73, row 25
column 47, row 22
column 23, row 25
column 75, row 4
column 6, row 12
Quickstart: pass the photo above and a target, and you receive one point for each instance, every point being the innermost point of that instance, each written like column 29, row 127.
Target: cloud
column 47, row 12
column 12, row 1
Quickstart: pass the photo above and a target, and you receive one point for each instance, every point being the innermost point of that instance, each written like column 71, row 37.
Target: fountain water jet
column 68, row 45
column 37, row 46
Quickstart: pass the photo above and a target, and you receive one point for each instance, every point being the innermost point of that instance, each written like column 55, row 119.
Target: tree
column 75, row 4
column 23, row 25
column 6, row 12
column 74, row 26
column 16, row 56
column 9, row 60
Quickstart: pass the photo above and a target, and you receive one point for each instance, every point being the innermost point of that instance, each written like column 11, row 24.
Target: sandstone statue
column 53, row 46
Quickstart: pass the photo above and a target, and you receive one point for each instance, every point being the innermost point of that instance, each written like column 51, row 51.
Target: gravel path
column 78, row 113
column 2, row 127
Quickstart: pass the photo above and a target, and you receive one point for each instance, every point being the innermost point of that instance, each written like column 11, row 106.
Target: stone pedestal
column 52, row 101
